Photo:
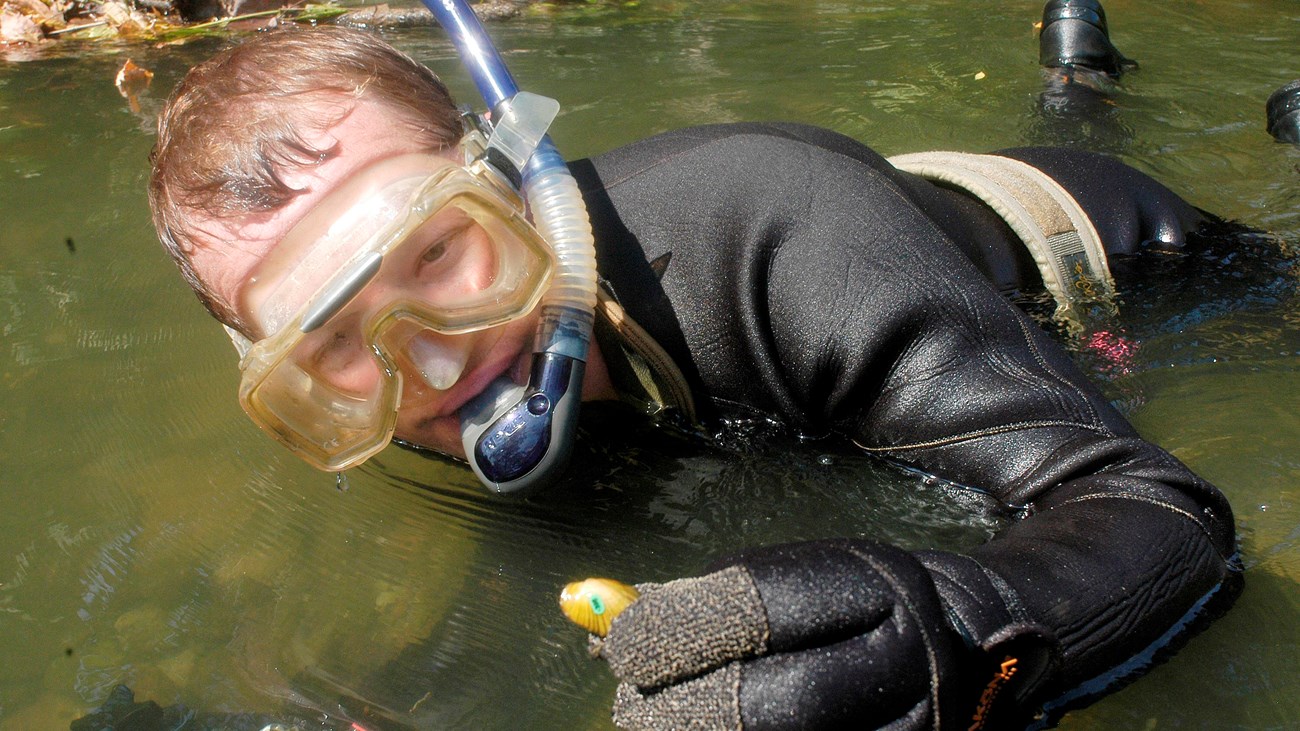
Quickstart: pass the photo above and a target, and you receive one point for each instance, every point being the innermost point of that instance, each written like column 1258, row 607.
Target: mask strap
column 241, row 343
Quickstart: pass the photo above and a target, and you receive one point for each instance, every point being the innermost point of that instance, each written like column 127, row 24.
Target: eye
column 345, row 367
column 435, row 252
column 440, row 257
column 336, row 354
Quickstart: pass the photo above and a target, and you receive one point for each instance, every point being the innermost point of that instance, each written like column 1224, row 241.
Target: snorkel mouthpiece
column 519, row 438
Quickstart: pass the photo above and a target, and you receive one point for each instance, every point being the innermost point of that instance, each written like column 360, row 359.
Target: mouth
column 432, row 418
column 441, row 430
column 515, row 364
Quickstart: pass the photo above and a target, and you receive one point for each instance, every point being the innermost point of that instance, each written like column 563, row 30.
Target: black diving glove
column 828, row 634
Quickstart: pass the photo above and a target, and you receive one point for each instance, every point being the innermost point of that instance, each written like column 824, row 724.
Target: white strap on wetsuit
column 640, row 359
column 1047, row 219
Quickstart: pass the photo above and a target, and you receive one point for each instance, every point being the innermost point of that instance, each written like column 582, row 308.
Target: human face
column 369, row 136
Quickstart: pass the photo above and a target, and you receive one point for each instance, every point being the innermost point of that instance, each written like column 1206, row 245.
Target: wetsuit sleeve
column 796, row 278
column 1130, row 210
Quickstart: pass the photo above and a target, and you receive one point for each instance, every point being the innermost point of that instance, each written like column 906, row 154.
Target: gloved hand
column 827, row 634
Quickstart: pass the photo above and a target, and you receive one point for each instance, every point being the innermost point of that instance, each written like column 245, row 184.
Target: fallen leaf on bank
column 124, row 20
column 46, row 16
column 27, row 26
column 370, row 14
column 18, row 28
column 131, row 81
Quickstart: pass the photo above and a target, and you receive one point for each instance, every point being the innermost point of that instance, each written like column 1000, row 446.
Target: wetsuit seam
column 1010, row 597
column 1158, row 503
column 978, row 433
column 611, row 184
column 1094, row 421
column 894, row 189
column 1026, row 337
column 1047, row 368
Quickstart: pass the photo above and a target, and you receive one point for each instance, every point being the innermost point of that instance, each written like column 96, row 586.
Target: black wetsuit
column 796, row 273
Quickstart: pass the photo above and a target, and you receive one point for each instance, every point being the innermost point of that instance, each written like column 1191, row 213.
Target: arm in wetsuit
column 803, row 276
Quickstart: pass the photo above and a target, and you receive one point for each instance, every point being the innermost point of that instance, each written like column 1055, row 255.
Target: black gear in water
column 1075, row 35
column 1283, row 110
column 121, row 712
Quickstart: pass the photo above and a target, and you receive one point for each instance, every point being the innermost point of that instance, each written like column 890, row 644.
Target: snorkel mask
column 451, row 251
column 431, row 251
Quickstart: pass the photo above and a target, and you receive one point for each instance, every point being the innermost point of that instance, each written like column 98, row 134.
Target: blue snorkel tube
column 518, row 438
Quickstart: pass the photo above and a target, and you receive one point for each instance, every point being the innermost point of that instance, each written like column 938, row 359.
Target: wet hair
column 235, row 124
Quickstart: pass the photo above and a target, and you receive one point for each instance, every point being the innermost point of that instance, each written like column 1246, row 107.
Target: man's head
column 265, row 149
column 243, row 132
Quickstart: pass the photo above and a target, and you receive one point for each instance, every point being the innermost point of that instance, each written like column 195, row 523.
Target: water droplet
column 341, row 482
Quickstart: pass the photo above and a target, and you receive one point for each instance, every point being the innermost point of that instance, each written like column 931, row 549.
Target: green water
column 150, row 536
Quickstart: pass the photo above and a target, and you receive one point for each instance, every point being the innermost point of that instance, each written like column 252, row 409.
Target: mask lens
column 465, row 269
column 328, row 422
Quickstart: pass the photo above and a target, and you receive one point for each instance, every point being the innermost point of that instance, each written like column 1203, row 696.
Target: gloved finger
column 710, row 701
column 687, row 627
column 821, row 592
column 866, row 682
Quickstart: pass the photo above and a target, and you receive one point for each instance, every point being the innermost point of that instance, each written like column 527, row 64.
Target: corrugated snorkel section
column 561, row 217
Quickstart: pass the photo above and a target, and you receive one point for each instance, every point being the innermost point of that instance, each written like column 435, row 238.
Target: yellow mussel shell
column 593, row 603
